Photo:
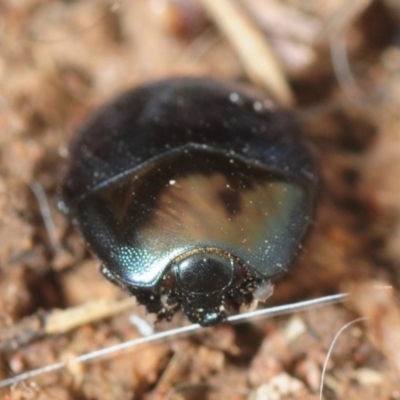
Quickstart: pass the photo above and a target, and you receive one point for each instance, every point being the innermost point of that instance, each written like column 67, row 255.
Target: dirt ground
column 59, row 60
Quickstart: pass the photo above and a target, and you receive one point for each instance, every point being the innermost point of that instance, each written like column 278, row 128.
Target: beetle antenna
column 185, row 330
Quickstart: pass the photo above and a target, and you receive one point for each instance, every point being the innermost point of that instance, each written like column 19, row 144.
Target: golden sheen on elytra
column 194, row 194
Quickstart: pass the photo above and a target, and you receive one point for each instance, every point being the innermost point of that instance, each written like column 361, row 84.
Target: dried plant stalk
column 252, row 47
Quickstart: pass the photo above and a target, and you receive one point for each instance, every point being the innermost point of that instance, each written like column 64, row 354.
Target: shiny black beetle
column 194, row 194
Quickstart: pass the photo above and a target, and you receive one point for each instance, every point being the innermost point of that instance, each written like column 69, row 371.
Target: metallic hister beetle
column 193, row 194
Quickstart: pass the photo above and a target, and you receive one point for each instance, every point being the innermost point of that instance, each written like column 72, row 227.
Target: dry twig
column 252, row 47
